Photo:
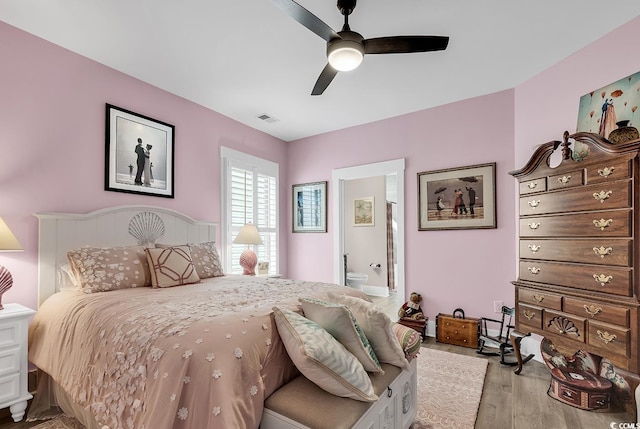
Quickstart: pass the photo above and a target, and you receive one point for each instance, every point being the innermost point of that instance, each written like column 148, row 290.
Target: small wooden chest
column 459, row 331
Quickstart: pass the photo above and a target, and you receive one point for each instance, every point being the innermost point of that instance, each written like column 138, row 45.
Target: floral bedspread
column 189, row 357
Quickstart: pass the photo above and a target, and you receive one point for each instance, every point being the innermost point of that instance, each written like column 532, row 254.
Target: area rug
column 449, row 392
column 449, row 389
column 60, row 422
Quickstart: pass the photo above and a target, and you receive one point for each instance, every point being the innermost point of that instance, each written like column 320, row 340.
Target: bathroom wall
column 367, row 244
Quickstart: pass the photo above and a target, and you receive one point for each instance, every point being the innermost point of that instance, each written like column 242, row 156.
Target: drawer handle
column 534, row 225
column 606, row 172
column 602, row 195
column 533, row 248
column 564, row 325
column 603, row 279
column 564, row 179
column 592, row 310
column 534, row 203
column 532, row 185
column 602, row 251
column 529, row 314
column 606, row 337
column 534, row 270
column 538, row 298
column 602, row 223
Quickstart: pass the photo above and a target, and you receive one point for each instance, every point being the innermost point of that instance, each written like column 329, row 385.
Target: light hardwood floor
column 508, row 400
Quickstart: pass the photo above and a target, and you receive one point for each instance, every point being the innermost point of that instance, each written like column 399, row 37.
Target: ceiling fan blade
column 306, row 18
column 325, row 78
column 405, row 44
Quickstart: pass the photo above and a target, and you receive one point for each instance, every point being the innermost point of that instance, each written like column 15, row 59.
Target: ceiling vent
column 267, row 118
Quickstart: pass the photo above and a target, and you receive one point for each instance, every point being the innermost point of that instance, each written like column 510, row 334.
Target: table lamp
column 8, row 243
column 248, row 235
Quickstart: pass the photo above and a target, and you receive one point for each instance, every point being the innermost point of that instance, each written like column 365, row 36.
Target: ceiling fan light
column 345, row 55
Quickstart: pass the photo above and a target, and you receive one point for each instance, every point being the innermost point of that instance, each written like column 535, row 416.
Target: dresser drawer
column 9, row 360
column 610, row 338
column 569, row 326
column 615, row 223
column 530, row 316
column 537, row 298
column 598, row 311
column 570, row 179
column 9, row 388
column 614, row 169
column 605, row 251
column 533, row 185
column 9, row 333
column 601, row 196
column 606, row 279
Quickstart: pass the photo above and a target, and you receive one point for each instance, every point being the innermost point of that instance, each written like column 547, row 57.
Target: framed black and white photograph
column 457, row 198
column 138, row 154
column 310, row 207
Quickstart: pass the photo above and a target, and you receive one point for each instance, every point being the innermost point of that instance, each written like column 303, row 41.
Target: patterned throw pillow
column 171, row 266
column 337, row 320
column 101, row 269
column 321, row 358
column 377, row 327
column 206, row 260
column 410, row 340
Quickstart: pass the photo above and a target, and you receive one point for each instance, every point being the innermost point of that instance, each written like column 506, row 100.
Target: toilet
column 356, row 280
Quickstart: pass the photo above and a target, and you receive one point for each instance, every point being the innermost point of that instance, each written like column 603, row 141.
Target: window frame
column 230, row 158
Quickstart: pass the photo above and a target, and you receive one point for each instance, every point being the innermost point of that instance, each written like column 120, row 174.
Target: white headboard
column 112, row 226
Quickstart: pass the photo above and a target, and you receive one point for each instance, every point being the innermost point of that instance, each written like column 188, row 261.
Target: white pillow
column 321, row 358
column 378, row 328
column 66, row 278
column 339, row 322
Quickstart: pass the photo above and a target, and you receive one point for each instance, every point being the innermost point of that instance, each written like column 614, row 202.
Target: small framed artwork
column 310, row 207
column 138, row 154
column 364, row 211
column 263, row 267
column 457, row 198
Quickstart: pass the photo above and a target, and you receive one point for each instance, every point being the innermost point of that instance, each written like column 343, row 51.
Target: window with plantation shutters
column 250, row 195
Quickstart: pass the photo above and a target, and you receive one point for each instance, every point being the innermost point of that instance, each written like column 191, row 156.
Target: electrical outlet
column 497, row 306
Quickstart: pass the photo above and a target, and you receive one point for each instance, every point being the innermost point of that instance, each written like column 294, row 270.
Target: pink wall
column 472, row 268
column 52, row 117
column 547, row 104
column 52, row 122
column 464, row 268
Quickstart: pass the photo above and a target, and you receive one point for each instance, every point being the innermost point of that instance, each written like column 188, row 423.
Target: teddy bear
column 411, row 309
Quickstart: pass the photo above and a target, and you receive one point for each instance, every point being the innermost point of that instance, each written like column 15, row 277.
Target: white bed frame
column 111, row 226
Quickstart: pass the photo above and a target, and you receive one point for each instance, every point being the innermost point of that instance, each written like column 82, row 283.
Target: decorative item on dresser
column 578, row 271
column 14, row 392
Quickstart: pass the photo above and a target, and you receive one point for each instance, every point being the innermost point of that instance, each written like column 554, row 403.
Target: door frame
column 339, row 176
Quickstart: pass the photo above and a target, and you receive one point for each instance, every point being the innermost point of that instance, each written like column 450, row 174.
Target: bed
column 199, row 355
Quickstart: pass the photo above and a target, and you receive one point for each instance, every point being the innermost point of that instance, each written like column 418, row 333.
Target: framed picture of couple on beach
column 457, row 198
column 138, row 154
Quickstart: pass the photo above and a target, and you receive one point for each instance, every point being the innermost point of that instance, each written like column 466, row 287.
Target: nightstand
column 14, row 392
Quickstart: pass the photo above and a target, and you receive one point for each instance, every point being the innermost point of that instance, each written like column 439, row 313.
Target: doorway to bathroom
column 368, row 205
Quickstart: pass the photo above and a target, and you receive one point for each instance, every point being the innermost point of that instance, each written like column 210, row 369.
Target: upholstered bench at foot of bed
column 300, row 404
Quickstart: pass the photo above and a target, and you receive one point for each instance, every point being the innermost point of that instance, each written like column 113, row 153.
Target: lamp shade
column 8, row 241
column 248, row 235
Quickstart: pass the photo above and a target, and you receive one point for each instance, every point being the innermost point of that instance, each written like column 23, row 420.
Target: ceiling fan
column 346, row 48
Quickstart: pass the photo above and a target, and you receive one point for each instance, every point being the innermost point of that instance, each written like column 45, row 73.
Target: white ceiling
column 244, row 58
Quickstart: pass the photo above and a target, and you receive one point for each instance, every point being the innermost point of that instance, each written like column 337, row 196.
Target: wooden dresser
column 578, row 267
